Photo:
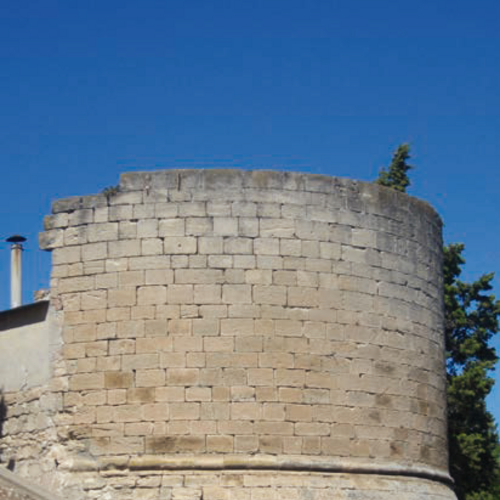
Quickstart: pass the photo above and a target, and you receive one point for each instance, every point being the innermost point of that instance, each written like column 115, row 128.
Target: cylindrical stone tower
column 249, row 335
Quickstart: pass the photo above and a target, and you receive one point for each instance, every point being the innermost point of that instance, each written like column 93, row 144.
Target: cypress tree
column 396, row 176
column 471, row 319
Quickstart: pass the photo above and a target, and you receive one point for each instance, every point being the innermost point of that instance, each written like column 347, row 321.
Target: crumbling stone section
column 229, row 322
column 13, row 487
column 29, row 440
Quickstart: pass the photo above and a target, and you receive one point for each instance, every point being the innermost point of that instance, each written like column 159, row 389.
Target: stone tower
column 240, row 335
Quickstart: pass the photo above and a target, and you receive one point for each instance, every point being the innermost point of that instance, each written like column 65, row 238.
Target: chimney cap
column 16, row 239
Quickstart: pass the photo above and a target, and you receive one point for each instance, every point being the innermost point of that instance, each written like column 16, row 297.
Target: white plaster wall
column 25, row 354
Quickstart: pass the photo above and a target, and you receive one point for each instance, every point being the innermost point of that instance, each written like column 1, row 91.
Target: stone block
column 130, row 278
column 179, row 245
column 271, row 445
column 238, row 245
column 246, row 411
column 166, row 210
column 205, row 327
column 159, row 277
column 290, row 378
column 210, row 245
column 140, row 361
column 225, row 226
column 170, row 394
column 218, row 344
column 149, row 262
column 153, row 345
column 94, row 299
column 119, row 213
column 198, row 276
column 148, row 228
column 48, row 240
column 219, row 444
column 182, row 376
column 272, row 210
column 151, row 295
column 270, row 295
column 127, row 413
column 247, row 344
column 95, row 349
column 270, row 262
column 147, row 211
column 338, row 446
column 198, row 226
column 299, row 413
column 237, row 327
column 125, row 328
column 180, row 294
column 118, row 380
column 248, row 227
column 138, row 429
column 303, row 297
column 105, row 231
column 140, row 395
column 171, row 227
column 312, row 429
column 261, row 377
column 94, row 251
column 207, row 294
column 267, row 246
column 127, row 230
column 184, row 411
column 192, row 209
column 155, row 412
column 121, row 297
column 259, row 276
column 179, row 327
column 198, row 394
column 237, row 294
column 125, row 198
column 277, row 228
column 220, row 261
column 218, row 209
column 150, row 378
column 75, row 235
column 55, row 221
column 85, row 381
column 76, row 284
column 152, row 246
column 273, row 412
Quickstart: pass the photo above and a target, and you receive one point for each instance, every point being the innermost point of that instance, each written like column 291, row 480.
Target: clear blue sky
column 89, row 89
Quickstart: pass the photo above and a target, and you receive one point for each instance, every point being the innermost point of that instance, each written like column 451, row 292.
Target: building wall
column 28, row 337
column 219, row 319
column 30, row 348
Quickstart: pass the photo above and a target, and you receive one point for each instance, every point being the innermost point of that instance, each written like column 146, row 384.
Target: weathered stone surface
column 224, row 319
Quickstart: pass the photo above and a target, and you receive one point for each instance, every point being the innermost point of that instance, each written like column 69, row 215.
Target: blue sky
column 90, row 89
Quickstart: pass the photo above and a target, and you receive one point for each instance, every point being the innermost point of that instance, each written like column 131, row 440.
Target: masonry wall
column 30, row 349
column 219, row 319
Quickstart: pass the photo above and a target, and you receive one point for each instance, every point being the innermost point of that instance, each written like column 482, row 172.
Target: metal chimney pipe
column 16, row 271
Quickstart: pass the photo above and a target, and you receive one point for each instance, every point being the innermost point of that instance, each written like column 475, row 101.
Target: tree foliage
column 396, row 176
column 471, row 319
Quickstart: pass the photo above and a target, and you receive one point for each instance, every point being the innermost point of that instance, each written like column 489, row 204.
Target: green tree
column 396, row 176
column 471, row 319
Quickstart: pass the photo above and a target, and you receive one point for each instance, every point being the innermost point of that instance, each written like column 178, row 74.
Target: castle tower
column 246, row 335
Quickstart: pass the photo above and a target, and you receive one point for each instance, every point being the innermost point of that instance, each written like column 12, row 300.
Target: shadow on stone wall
column 3, row 413
column 3, row 418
